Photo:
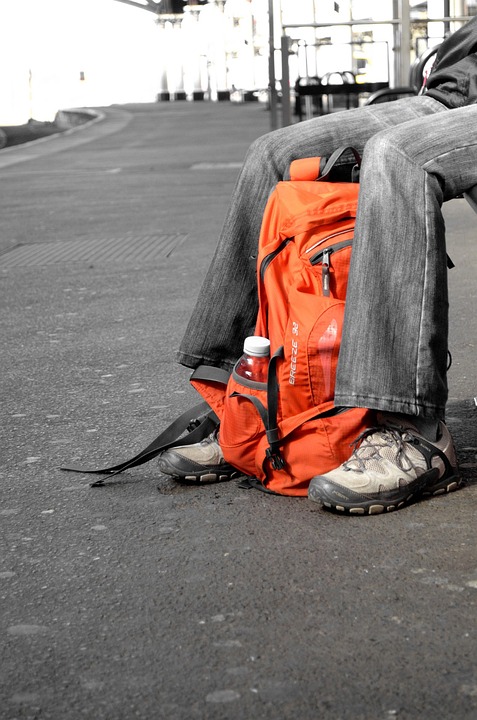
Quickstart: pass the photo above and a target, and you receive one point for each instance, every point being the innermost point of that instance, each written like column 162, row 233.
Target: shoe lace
column 365, row 450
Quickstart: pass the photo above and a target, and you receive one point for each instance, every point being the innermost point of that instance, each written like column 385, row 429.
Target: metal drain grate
column 127, row 249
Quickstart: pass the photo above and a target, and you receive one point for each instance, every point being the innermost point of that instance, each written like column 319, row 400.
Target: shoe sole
column 377, row 507
column 209, row 475
column 205, row 478
column 367, row 508
column 449, row 485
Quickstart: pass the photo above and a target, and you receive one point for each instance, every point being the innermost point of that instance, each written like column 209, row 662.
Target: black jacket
column 453, row 79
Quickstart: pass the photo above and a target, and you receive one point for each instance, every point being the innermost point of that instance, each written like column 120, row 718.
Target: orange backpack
column 288, row 430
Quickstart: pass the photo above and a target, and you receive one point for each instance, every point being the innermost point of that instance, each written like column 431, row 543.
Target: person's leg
column 394, row 351
column 393, row 355
column 226, row 309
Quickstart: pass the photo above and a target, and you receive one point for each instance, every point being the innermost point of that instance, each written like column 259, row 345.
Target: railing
column 402, row 56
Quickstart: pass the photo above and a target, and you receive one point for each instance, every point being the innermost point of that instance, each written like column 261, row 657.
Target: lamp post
column 271, row 68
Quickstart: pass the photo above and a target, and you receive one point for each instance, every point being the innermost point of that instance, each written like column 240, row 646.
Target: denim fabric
column 394, row 351
column 407, row 171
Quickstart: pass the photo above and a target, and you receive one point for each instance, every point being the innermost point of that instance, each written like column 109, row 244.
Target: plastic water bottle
column 253, row 365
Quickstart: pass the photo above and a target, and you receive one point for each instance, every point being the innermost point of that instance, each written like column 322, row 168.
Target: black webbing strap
column 258, row 405
column 210, row 374
column 199, row 420
column 269, row 414
column 336, row 164
column 273, row 437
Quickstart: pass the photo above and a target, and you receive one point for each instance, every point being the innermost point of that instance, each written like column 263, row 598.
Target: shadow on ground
column 461, row 418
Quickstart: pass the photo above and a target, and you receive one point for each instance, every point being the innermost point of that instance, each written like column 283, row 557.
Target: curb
column 68, row 121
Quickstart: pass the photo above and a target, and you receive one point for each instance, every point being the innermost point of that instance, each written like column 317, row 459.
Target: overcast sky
column 113, row 44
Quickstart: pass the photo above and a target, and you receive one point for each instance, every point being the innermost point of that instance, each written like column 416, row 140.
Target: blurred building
column 222, row 47
column 57, row 53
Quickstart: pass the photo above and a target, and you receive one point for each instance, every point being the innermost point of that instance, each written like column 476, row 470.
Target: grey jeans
column 416, row 154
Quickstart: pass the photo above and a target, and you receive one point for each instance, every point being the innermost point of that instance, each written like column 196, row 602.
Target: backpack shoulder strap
column 199, row 421
column 209, row 373
column 211, row 382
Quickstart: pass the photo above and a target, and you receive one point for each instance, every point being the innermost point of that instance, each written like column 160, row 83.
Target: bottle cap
column 257, row 346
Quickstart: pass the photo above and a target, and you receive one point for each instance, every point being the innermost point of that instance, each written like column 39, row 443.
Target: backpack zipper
column 328, row 237
column 323, row 257
column 269, row 258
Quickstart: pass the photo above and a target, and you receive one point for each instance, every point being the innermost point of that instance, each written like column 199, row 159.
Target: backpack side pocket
column 242, row 426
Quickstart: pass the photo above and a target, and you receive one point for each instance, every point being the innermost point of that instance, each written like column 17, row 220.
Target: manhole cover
column 127, row 249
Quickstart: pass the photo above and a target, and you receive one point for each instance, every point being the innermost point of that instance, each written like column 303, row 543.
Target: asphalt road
column 146, row 599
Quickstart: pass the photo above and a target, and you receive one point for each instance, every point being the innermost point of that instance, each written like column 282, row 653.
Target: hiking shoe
column 391, row 466
column 202, row 462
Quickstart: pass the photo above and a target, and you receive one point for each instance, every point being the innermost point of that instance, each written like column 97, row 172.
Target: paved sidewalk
column 145, row 599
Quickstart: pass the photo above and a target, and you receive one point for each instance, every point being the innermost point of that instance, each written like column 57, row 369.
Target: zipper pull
column 325, row 273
